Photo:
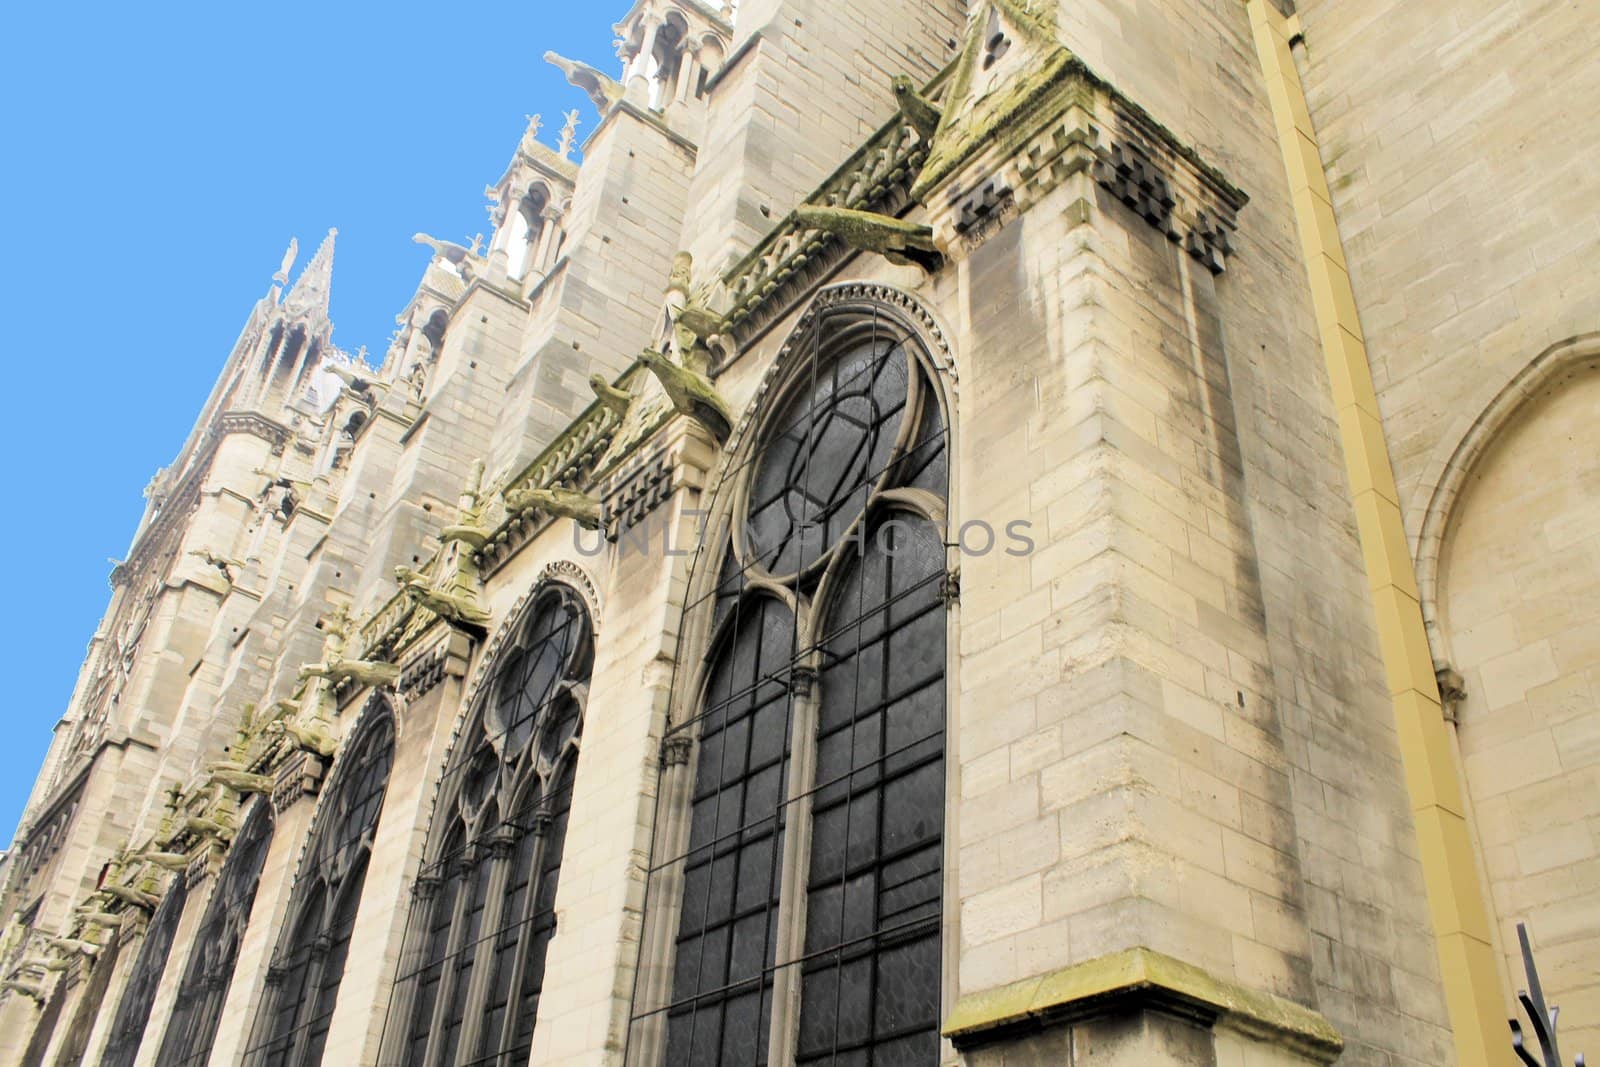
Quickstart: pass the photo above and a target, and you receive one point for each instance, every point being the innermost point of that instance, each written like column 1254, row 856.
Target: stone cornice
column 1060, row 121
column 1138, row 977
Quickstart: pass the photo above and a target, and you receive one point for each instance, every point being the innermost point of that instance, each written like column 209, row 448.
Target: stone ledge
column 1144, row 978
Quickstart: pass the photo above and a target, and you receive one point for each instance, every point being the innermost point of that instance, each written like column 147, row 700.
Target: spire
column 311, row 290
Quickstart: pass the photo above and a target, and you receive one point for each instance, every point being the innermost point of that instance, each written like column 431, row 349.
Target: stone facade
column 1246, row 389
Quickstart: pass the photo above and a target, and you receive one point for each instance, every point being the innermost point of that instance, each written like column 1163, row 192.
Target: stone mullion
column 500, row 852
column 665, row 908
column 447, row 973
column 310, row 992
column 530, row 902
column 783, row 1040
column 426, row 891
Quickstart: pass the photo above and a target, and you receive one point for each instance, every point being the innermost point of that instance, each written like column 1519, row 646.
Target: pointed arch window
column 796, row 886
column 204, row 988
column 133, row 1011
column 307, row 967
column 484, row 909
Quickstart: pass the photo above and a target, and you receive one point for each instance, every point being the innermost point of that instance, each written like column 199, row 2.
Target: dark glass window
column 871, row 988
column 308, row 965
column 205, row 983
column 484, row 909
column 133, row 1012
column 842, row 515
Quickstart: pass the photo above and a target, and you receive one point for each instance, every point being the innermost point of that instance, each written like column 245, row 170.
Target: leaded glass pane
column 870, row 985
column 828, row 451
column 727, row 928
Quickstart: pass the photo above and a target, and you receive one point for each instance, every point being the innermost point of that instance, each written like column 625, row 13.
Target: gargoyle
column 167, row 861
column 308, row 737
column 222, row 563
column 923, row 114
column 337, row 669
column 69, row 945
column 459, row 256
column 613, row 399
column 896, row 240
column 562, row 503
column 604, row 91
column 353, row 379
column 234, row 776
column 691, row 393
column 32, row 990
column 128, row 894
column 450, row 606
column 218, row 827
column 93, row 917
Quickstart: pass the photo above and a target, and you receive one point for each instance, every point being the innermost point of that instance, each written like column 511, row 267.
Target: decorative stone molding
column 300, row 776
column 568, row 572
column 1448, row 476
column 1074, row 123
column 633, row 495
column 1138, row 978
column 421, row 674
column 675, row 750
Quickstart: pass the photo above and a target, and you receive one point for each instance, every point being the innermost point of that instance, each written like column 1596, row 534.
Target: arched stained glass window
column 796, row 886
column 472, row 970
column 205, row 984
column 307, row 967
column 133, row 1011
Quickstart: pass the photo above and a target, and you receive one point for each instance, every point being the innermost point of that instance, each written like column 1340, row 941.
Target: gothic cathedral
column 993, row 533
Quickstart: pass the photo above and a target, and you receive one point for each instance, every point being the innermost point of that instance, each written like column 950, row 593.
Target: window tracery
column 205, row 983
column 798, row 896
column 307, row 967
column 483, row 913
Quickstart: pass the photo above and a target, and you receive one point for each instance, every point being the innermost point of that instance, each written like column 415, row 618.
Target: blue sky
column 159, row 158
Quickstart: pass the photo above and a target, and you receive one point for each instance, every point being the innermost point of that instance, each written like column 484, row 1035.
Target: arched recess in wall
column 209, row 973
column 1546, row 371
column 483, row 904
column 795, row 895
column 1512, row 590
column 292, row 1020
column 133, row 1010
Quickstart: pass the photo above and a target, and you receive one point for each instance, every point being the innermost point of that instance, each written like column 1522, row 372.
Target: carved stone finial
column 896, row 240
column 569, row 133
column 530, row 136
column 282, row 277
